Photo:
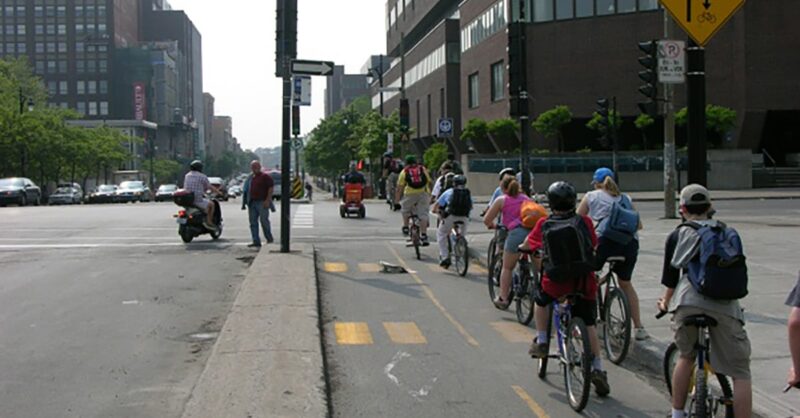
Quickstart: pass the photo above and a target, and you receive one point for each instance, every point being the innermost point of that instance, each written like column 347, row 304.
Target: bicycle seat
column 700, row 321
column 616, row 259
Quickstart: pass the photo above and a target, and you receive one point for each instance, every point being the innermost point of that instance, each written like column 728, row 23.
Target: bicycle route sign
column 445, row 128
column 701, row 19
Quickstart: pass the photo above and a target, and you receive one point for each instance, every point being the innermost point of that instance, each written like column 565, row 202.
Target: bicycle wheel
column 493, row 277
column 525, row 299
column 721, row 390
column 542, row 372
column 461, row 256
column 415, row 239
column 577, row 364
column 617, row 326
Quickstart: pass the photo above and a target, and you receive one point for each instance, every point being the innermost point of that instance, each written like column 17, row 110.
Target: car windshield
column 11, row 183
column 64, row 190
column 168, row 188
column 131, row 185
column 105, row 189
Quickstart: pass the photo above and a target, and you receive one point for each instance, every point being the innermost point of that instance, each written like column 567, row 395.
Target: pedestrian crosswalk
column 303, row 217
column 408, row 333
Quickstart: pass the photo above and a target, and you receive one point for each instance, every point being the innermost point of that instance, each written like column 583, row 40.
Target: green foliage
column 585, row 150
column 719, row 119
column 595, row 125
column 551, row 123
column 166, row 171
column 504, row 130
column 540, row 151
column 475, row 130
column 682, row 117
column 334, row 143
column 435, row 155
column 643, row 121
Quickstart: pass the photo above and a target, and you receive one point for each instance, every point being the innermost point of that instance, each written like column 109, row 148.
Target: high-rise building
column 222, row 136
column 208, row 121
column 342, row 89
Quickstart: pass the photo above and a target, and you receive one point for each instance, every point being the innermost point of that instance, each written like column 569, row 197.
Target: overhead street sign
column 302, row 67
column 671, row 62
column 701, row 19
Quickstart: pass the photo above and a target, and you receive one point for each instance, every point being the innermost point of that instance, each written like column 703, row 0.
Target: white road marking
column 130, row 302
column 303, row 217
column 389, row 367
column 127, row 245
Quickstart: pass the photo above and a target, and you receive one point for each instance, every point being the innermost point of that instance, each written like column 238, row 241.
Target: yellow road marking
column 404, row 333
column 335, row 267
column 436, row 268
column 531, row 403
column 513, row 332
column 460, row 328
column 477, row 268
column 352, row 333
column 369, row 267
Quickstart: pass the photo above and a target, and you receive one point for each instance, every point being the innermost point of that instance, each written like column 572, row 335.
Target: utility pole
column 380, row 80
column 518, row 91
column 669, row 140
column 286, row 50
column 696, row 83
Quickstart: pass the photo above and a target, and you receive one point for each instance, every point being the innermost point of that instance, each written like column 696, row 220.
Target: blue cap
column 601, row 173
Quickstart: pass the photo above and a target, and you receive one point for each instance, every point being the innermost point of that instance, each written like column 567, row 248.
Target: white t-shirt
column 437, row 187
column 600, row 203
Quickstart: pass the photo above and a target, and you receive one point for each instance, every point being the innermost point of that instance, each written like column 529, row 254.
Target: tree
column 596, row 125
column 475, row 130
column 551, row 123
column 332, row 144
column 719, row 121
column 504, row 132
column 643, row 122
column 435, row 155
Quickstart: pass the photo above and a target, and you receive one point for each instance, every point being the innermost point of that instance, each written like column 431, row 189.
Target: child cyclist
column 577, row 231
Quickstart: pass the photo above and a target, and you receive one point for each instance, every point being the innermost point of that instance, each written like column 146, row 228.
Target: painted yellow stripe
column 429, row 293
column 369, row 267
column 531, row 403
column 335, row 267
column 436, row 268
column 513, row 332
column 404, row 333
column 352, row 333
column 477, row 268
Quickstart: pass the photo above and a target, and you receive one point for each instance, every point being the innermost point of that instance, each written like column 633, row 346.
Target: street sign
column 312, row 67
column 445, row 128
column 301, row 91
column 390, row 142
column 671, row 62
column 297, row 143
column 701, row 19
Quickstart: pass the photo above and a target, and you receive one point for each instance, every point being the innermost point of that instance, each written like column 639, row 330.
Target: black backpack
column 460, row 203
column 568, row 251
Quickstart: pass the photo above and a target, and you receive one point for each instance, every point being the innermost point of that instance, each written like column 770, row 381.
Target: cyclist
column 509, row 206
column 197, row 182
column 454, row 205
column 562, row 198
column 391, row 169
column 730, row 346
column 413, row 184
column 506, row 172
column 598, row 205
column 454, row 165
column 794, row 335
column 441, row 183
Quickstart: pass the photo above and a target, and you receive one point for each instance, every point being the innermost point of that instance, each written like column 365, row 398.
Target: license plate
column 181, row 221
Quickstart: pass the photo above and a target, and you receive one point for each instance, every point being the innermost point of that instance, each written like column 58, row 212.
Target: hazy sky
column 239, row 56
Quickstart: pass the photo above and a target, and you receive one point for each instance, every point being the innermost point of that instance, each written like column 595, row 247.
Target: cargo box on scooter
column 183, row 198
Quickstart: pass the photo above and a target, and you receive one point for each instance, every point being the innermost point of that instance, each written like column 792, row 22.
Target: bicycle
column 705, row 401
column 522, row 289
column 614, row 314
column 414, row 235
column 458, row 249
column 495, row 260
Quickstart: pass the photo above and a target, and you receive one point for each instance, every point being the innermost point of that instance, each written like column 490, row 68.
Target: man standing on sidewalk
column 258, row 199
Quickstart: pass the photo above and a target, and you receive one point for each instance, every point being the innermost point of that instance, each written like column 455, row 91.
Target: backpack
column 415, row 177
column 720, row 270
column 460, row 203
column 394, row 167
column 530, row 212
column 622, row 222
column 568, row 251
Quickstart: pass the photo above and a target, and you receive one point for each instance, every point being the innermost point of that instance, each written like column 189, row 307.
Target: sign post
column 286, row 36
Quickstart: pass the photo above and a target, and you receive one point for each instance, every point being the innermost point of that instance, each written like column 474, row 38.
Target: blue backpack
column 621, row 223
column 719, row 271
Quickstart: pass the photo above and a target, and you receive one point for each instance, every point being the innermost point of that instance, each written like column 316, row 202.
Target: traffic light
column 516, row 65
column 605, row 120
column 296, row 120
column 650, row 76
column 404, row 112
column 285, row 35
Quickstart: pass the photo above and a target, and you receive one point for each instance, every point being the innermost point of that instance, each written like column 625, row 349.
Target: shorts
column 583, row 308
column 502, row 234
column 202, row 204
column 416, row 204
column 514, row 239
column 793, row 299
column 730, row 346
column 607, row 248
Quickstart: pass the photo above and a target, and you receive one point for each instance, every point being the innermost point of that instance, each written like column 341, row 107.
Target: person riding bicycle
column 441, row 183
column 730, row 345
column 793, row 325
column 506, row 172
column 454, row 205
column 391, row 171
column 197, row 182
column 414, row 184
column 599, row 205
column 509, row 206
column 576, row 247
column 455, row 166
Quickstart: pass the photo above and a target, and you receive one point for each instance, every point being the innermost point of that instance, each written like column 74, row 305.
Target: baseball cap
column 601, row 173
column 695, row 194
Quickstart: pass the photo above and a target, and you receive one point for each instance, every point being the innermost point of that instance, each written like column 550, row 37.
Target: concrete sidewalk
column 268, row 360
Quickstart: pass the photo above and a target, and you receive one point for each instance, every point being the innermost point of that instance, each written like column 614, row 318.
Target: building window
column 62, row 67
column 39, row 65
column 38, row 11
column 51, row 29
column 81, row 87
column 51, row 67
column 92, row 108
column 104, row 108
column 584, row 8
column 484, row 26
column 62, row 88
column 81, row 108
column 61, row 11
column 626, row 6
column 9, row 30
column 91, row 66
column 564, row 9
column 473, row 91
column 103, row 87
column 102, row 66
column 62, row 29
column 101, row 28
column 80, row 66
column 20, row 11
column 22, row 48
column 20, row 29
column 498, row 85
column 543, row 10
column 39, row 48
column 101, row 11
column 51, row 47
column 62, row 47
column 92, row 87
column 52, row 88
column 79, row 46
column 648, row 5
column 39, row 29
column 605, row 7
column 78, row 11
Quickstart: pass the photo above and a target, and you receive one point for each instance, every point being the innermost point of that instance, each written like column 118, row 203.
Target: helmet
column 459, row 180
column 196, row 165
column 411, row 159
column 448, row 180
column 508, row 171
column 562, row 196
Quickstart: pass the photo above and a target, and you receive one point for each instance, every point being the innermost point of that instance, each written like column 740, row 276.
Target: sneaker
column 538, row 350
column 405, row 230
column 444, row 263
column 254, row 245
column 641, row 334
column 424, row 239
column 501, row 304
column 600, row 381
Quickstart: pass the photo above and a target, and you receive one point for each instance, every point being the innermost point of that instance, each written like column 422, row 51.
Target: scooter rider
column 197, row 182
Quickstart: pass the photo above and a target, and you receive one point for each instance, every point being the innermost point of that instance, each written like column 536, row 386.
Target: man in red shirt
column 257, row 197
column 562, row 198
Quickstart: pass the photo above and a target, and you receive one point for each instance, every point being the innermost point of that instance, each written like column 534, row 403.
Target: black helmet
column 562, row 196
column 196, row 165
column 459, row 180
column 508, row 171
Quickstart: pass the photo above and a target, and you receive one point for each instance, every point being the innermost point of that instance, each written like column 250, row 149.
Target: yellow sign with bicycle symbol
column 701, row 19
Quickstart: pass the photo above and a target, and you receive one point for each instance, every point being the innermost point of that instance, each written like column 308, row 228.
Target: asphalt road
column 431, row 344
column 105, row 312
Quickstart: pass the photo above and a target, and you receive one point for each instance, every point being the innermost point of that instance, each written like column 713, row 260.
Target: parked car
column 73, row 185
column 65, row 196
column 133, row 191
column 276, row 190
column 165, row 192
column 20, row 191
column 220, row 184
column 104, row 193
column 235, row 191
